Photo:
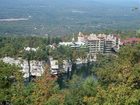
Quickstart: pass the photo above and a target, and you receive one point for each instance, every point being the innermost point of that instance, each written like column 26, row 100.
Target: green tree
column 9, row 77
column 119, row 81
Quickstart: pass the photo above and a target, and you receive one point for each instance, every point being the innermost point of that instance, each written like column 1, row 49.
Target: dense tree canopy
column 114, row 79
column 9, row 75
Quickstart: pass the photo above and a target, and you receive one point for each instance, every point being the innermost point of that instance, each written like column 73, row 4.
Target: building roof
column 130, row 40
column 65, row 43
column 93, row 37
column 30, row 49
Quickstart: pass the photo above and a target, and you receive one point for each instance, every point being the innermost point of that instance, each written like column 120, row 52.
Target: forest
column 112, row 80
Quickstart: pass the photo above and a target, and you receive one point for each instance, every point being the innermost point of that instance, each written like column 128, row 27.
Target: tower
column 73, row 39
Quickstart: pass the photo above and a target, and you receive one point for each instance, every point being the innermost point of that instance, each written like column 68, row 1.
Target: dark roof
column 130, row 40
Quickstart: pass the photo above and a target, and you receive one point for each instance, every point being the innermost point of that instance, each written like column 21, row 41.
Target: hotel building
column 100, row 43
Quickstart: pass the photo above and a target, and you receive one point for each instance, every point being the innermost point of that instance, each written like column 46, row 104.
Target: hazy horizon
column 67, row 16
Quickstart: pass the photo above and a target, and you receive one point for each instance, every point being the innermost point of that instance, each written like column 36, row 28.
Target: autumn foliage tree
column 45, row 88
column 119, row 80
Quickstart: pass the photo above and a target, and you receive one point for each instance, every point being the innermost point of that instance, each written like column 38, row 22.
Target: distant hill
column 64, row 17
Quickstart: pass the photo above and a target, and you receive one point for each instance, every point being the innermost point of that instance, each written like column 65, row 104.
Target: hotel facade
column 100, row 43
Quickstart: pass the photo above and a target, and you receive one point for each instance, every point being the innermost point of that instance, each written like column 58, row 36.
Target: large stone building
column 96, row 43
column 100, row 43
